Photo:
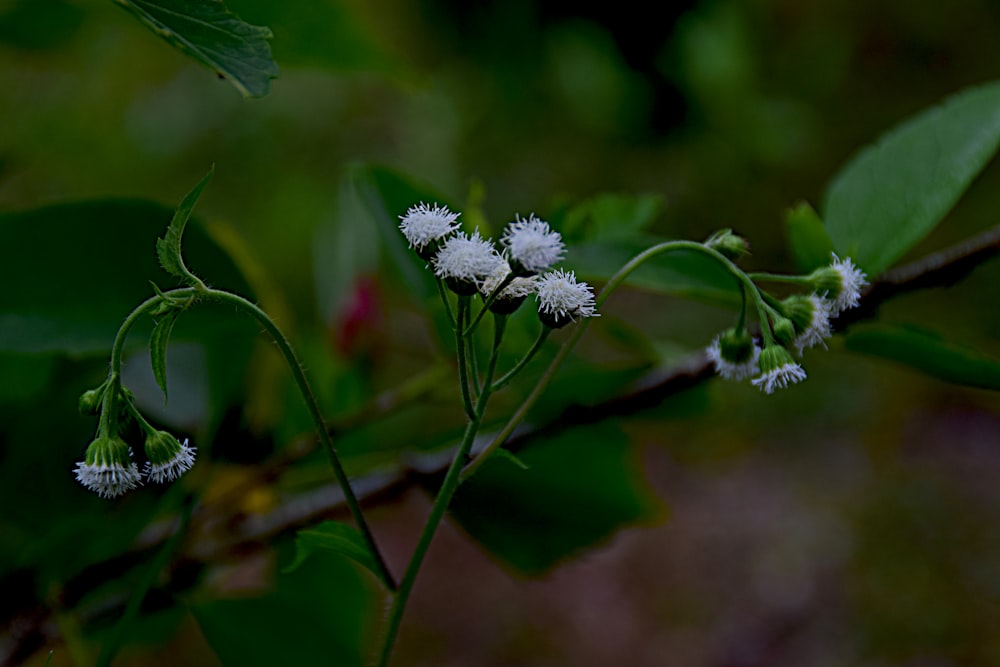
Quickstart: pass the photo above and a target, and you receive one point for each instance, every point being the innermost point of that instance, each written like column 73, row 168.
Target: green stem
column 444, row 496
column 444, row 299
column 463, row 367
column 505, row 380
column 779, row 278
column 219, row 296
column 489, row 302
column 615, row 281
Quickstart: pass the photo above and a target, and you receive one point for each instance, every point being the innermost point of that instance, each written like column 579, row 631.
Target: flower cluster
column 470, row 264
column 107, row 468
column 799, row 322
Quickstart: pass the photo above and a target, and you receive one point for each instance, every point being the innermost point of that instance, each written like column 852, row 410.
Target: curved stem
column 568, row 346
column 298, row 375
column 314, row 411
column 444, row 496
column 505, row 380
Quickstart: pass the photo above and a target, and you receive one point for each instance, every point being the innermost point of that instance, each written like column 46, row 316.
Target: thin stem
column 298, row 375
column 505, row 380
column 324, row 435
column 444, row 298
column 779, row 278
column 463, row 367
column 489, row 302
column 568, row 346
column 444, row 496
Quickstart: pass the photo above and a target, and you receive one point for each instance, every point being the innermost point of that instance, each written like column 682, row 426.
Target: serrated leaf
column 928, row 353
column 809, row 241
column 168, row 248
column 580, row 486
column 333, row 537
column 208, row 32
column 158, row 342
column 892, row 194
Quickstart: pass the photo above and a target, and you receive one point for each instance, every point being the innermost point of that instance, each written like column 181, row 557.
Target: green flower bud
column 728, row 244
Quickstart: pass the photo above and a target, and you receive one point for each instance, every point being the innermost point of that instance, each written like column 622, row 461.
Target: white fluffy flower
column 532, row 246
column 168, row 458
column 469, row 259
column 517, row 288
column 107, row 468
column 852, row 281
column 731, row 368
column 562, row 300
column 816, row 327
column 841, row 282
column 778, row 370
column 424, row 224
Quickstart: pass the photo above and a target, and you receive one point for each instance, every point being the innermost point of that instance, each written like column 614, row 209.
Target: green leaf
column 334, row 537
column 579, row 487
column 319, row 614
column 168, row 248
column 158, row 342
column 892, row 194
column 92, row 263
column 208, row 32
column 808, row 238
column 928, row 353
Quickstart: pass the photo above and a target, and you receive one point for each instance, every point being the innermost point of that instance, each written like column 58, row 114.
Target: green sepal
column 158, row 342
column 168, row 248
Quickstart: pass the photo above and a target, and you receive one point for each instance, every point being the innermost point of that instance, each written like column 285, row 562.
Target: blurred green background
column 850, row 520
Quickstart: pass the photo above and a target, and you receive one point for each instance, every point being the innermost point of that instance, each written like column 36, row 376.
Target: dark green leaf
column 92, row 264
column 208, row 32
column 168, row 248
column 927, row 352
column 334, row 537
column 158, row 342
column 579, row 487
column 317, row 615
column 808, row 238
column 891, row 194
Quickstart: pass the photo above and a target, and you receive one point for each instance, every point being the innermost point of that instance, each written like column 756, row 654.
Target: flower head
column 168, row 458
column 424, row 225
column 510, row 297
column 531, row 245
column 778, row 370
column 466, row 261
column 562, row 300
column 734, row 354
column 107, row 468
column 729, row 245
column 810, row 315
column 841, row 282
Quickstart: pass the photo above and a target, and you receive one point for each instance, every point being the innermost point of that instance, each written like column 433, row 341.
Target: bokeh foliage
column 863, row 496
